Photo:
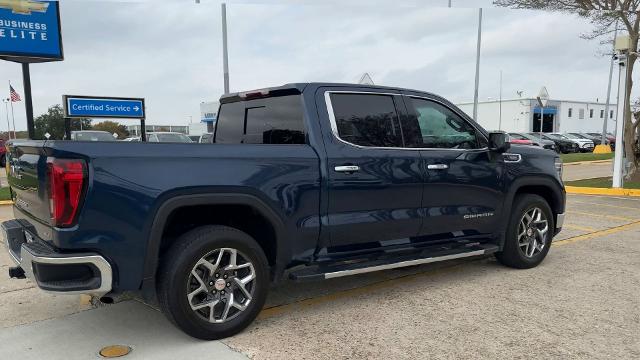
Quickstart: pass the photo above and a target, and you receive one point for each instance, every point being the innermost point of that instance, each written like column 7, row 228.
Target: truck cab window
column 272, row 120
column 441, row 127
column 366, row 119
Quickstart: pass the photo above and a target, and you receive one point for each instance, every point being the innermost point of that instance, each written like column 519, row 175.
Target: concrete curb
column 602, row 191
column 588, row 162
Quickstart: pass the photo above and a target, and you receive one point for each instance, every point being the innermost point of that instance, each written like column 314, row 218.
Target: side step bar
column 366, row 267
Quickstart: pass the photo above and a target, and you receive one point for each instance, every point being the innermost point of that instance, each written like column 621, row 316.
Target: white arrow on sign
column 543, row 97
column 136, row 108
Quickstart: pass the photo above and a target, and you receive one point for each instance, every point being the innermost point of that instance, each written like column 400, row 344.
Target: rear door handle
column 437, row 166
column 347, row 168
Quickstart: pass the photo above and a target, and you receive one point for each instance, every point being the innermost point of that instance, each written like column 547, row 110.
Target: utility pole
column 225, row 53
column 606, row 107
column 475, row 92
column 449, row 3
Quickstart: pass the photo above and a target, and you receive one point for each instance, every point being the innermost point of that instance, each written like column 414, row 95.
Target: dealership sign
column 30, row 31
column 103, row 107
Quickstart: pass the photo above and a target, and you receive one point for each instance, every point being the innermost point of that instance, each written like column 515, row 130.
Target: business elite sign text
column 30, row 31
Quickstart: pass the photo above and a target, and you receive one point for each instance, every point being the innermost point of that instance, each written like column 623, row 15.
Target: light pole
column 606, row 106
column 618, row 160
column 500, row 106
column 225, row 53
column 6, row 107
column 475, row 92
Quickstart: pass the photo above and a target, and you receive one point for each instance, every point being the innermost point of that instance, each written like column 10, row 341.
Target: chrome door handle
column 437, row 166
column 347, row 168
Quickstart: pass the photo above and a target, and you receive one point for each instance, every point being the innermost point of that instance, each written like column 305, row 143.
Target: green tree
column 53, row 123
column 112, row 127
column 604, row 15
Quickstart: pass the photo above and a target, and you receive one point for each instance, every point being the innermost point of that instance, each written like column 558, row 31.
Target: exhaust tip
column 107, row 300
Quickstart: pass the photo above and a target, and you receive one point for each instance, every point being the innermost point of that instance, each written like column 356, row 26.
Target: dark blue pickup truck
column 305, row 181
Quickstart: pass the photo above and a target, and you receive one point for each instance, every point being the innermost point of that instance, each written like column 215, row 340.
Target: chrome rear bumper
column 85, row 273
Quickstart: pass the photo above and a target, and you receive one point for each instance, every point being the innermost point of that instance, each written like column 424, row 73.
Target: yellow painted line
column 612, row 217
column 581, row 228
column 594, row 234
column 363, row 290
column 6, row 202
column 601, row 191
column 588, row 162
column 606, row 205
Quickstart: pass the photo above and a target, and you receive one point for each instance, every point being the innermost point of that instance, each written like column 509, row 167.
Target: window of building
column 601, row 114
column 272, row 120
column 581, row 114
column 440, row 127
column 590, row 113
column 366, row 119
column 611, row 114
column 570, row 112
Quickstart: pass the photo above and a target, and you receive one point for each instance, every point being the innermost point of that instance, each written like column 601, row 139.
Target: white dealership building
column 523, row 115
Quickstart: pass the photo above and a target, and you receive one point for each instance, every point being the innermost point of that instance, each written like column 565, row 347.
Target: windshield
column 575, row 136
column 179, row 138
column 93, row 136
column 557, row 136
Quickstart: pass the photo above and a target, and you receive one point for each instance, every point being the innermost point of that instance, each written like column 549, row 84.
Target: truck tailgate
column 26, row 172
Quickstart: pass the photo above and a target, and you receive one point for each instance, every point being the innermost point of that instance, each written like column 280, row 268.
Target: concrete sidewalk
column 82, row 335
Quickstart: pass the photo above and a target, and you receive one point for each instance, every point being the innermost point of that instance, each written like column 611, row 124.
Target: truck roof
column 298, row 88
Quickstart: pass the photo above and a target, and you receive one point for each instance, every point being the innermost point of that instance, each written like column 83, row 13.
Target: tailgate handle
column 347, row 168
column 437, row 166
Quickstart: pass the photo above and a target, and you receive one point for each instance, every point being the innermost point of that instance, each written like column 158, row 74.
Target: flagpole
column 13, row 116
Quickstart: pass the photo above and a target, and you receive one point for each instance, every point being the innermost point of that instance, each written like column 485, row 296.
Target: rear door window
column 366, row 119
column 273, row 120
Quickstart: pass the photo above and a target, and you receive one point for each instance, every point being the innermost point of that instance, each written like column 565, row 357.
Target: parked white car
column 585, row 145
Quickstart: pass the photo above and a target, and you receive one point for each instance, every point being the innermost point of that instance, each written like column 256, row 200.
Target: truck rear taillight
column 66, row 186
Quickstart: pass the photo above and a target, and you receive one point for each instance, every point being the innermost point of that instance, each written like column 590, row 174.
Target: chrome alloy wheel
column 533, row 232
column 221, row 285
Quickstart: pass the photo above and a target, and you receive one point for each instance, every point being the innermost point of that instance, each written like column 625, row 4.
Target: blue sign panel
column 95, row 107
column 30, row 31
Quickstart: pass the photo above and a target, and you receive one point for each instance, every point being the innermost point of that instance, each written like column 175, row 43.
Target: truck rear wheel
column 213, row 282
column 529, row 233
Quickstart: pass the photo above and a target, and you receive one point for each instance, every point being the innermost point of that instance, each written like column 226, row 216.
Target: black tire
column 512, row 254
column 175, row 271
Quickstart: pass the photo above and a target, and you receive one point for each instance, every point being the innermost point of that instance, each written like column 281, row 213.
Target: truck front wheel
column 529, row 233
column 213, row 282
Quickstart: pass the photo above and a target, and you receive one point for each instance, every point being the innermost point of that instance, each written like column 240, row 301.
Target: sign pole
column 28, row 102
column 67, row 128
column 541, row 120
column 143, row 130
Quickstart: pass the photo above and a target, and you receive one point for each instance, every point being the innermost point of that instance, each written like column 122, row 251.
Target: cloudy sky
column 169, row 52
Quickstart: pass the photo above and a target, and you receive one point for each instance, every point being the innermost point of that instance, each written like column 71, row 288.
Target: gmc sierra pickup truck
column 304, row 181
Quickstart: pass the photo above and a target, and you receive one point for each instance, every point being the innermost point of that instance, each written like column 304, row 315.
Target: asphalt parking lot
column 582, row 302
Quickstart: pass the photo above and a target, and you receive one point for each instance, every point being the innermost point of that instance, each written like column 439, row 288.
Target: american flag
column 15, row 97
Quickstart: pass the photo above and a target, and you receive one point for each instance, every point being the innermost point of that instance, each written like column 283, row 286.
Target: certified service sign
column 30, row 31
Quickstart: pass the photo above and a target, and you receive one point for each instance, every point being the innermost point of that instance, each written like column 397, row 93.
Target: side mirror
column 499, row 141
